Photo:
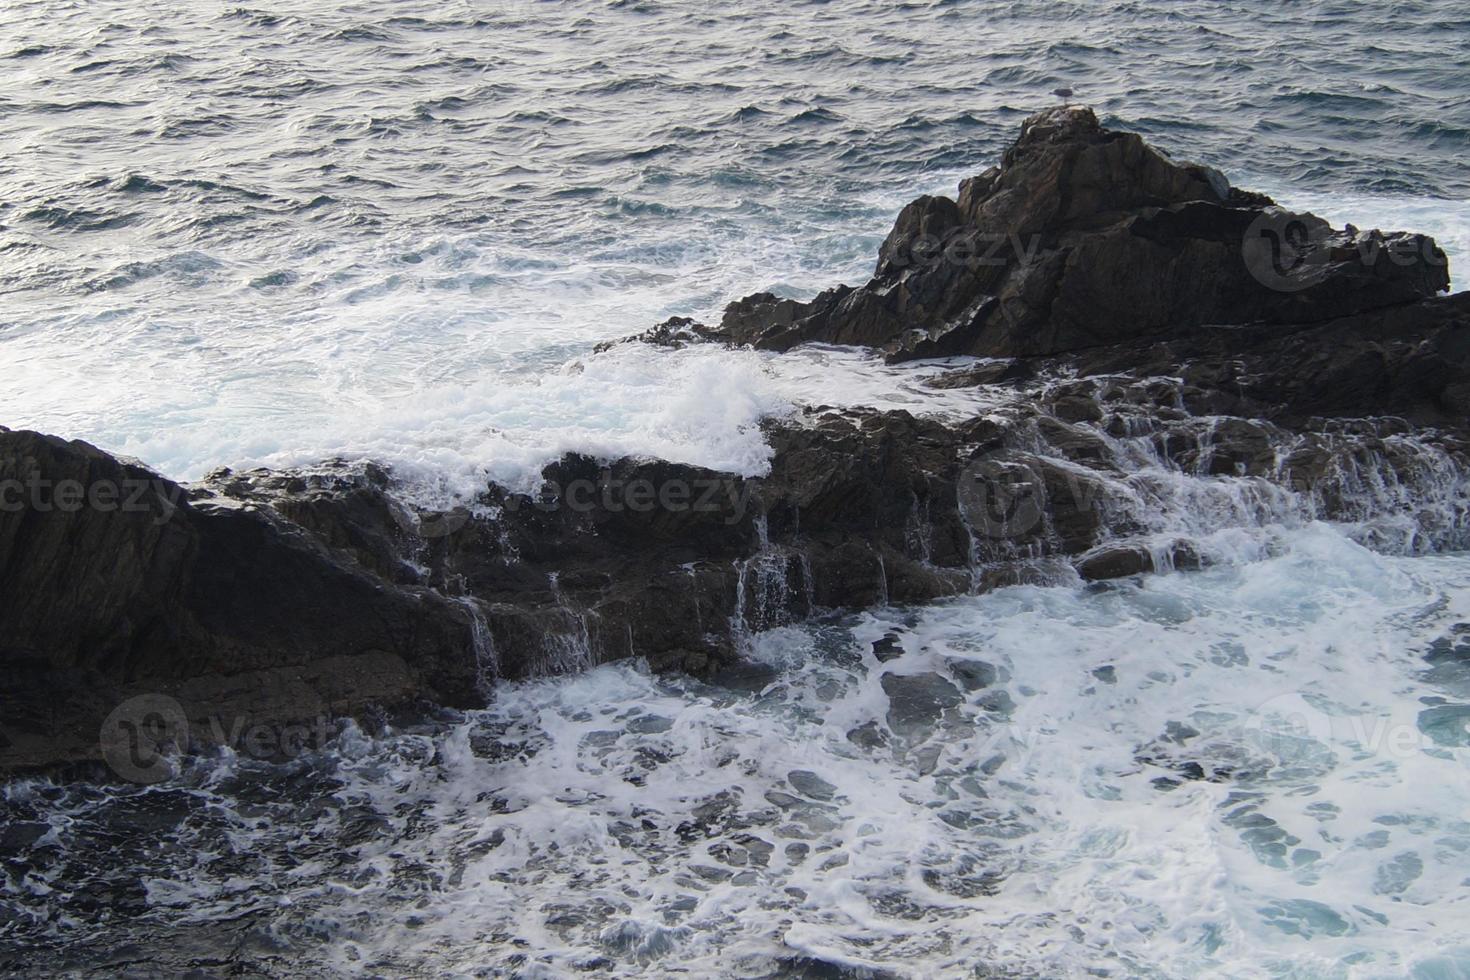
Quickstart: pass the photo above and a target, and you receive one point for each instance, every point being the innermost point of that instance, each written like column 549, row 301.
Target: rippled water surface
column 230, row 234
column 396, row 230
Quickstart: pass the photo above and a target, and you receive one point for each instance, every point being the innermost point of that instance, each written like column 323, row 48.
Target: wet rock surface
column 1086, row 237
column 917, row 701
column 1156, row 377
column 229, row 608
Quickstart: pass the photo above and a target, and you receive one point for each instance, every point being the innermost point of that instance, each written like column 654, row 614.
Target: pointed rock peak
column 1083, row 237
column 1059, row 124
column 1066, row 167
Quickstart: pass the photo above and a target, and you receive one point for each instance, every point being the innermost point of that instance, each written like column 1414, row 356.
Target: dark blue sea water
column 396, row 230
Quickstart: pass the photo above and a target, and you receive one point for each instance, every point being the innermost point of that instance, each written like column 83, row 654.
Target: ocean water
column 239, row 235
column 236, row 235
column 1250, row 771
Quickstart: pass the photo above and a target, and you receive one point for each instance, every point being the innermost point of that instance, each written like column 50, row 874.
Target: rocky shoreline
column 1172, row 357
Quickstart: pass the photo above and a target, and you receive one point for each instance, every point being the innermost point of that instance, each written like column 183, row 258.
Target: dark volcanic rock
column 1149, row 324
column 114, row 583
column 284, row 596
column 1411, row 361
column 675, row 332
column 1118, row 561
column 1084, row 237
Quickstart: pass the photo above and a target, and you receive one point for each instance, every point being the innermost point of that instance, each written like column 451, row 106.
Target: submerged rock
column 973, row 675
column 916, row 702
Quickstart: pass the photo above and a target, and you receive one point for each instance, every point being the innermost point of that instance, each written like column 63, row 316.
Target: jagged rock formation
column 1167, row 377
column 1085, row 237
column 231, row 608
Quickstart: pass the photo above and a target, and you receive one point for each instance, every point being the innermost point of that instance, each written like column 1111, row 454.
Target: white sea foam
column 1031, row 830
column 1235, row 772
column 445, row 440
column 473, row 362
column 270, row 250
